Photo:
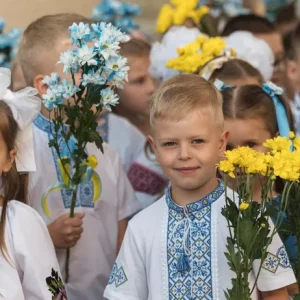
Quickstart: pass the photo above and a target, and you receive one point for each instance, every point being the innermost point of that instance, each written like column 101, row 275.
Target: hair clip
column 273, row 91
column 220, row 85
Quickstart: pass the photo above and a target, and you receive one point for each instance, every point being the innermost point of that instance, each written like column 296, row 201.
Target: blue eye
column 169, row 144
column 198, row 141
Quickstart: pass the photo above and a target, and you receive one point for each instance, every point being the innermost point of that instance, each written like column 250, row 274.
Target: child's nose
column 152, row 85
column 184, row 152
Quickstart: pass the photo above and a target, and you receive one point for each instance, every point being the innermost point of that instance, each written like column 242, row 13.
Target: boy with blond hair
column 175, row 248
column 97, row 230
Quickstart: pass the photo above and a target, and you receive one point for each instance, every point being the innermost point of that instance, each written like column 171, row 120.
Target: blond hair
column 40, row 38
column 182, row 94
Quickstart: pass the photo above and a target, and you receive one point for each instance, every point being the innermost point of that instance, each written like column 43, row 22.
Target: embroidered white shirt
column 30, row 261
column 93, row 256
column 147, row 265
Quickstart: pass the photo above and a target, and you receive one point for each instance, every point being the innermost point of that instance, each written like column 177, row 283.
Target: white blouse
column 29, row 269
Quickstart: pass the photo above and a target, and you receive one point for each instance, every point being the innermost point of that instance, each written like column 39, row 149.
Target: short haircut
column 135, row 47
column 40, row 37
column 182, row 94
column 252, row 23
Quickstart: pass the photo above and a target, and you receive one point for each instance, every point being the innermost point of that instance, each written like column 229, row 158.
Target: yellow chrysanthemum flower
column 178, row 12
column 296, row 143
column 165, row 18
column 244, row 206
column 197, row 54
column 227, row 167
column 278, row 144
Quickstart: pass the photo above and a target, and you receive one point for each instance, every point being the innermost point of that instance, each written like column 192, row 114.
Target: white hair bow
column 25, row 106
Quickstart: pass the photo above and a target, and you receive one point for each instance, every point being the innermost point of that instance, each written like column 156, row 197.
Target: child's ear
column 223, row 143
column 151, row 142
column 9, row 161
column 40, row 85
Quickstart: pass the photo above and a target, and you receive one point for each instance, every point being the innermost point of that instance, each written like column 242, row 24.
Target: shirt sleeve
column 34, row 254
column 128, row 204
column 128, row 278
column 276, row 271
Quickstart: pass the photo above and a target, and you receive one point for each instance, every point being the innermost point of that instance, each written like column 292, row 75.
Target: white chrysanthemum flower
column 79, row 31
column 109, row 98
column 93, row 78
column 86, row 55
column 70, row 61
column 116, row 70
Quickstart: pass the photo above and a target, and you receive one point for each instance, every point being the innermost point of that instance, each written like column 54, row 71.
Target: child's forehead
column 193, row 122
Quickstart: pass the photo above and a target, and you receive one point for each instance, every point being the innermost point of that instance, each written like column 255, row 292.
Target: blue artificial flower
column 108, row 43
column 50, row 100
column 86, row 55
column 116, row 70
column 115, row 11
column 70, row 61
column 67, row 90
column 54, row 79
column 79, row 32
column 109, row 98
column 93, row 78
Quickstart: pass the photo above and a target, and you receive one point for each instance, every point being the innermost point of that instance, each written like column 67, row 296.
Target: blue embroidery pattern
column 86, row 190
column 284, row 261
column 117, row 276
column 271, row 263
column 195, row 283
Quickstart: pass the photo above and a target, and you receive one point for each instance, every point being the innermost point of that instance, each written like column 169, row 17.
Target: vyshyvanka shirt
column 92, row 259
column 29, row 269
column 172, row 252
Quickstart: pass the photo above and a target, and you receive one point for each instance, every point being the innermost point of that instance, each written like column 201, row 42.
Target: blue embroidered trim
column 103, row 126
column 191, row 207
column 284, row 261
column 117, row 276
column 196, row 282
column 86, row 191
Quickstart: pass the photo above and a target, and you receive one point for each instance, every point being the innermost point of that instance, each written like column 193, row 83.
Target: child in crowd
column 28, row 264
column 96, row 231
column 251, row 117
column 145, row 174
column 293, row 74
column 175, row 248
column 135, row 97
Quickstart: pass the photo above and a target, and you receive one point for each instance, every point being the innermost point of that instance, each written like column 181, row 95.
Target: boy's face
column 188, row 150
column 137, row 92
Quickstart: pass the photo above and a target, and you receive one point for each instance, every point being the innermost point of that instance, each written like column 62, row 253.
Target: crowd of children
column 156, row 231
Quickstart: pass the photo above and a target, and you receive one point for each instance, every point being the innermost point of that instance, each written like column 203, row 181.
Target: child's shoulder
column 19, row 209
column 150, row 217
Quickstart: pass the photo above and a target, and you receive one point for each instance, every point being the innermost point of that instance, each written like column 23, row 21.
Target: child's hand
column 66, row 231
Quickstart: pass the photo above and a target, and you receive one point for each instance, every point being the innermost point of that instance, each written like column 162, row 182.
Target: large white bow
column 25, row 106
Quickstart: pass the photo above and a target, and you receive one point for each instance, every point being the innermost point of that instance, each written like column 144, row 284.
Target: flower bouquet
column 249, row 221
column 95, row 68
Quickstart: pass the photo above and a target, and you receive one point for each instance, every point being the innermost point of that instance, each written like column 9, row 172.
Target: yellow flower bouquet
column 250, row 220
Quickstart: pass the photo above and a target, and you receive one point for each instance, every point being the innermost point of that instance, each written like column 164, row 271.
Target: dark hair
column 292, row 43
column 10, row 180
column 286, row 14
column 236, row 69
column 251, row 23
column 251, row 102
